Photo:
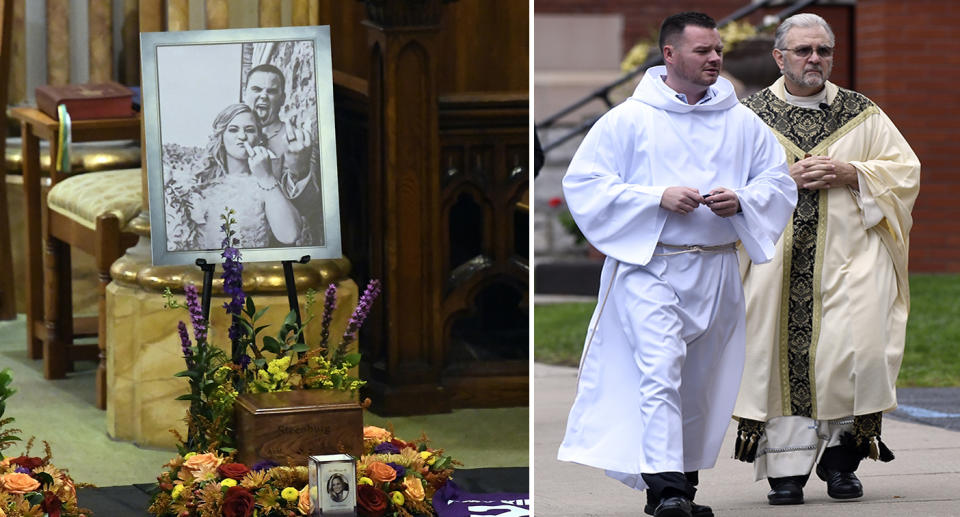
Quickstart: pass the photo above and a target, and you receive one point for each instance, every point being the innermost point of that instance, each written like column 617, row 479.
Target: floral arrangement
column 211, row 485
column 280, row 362
column 31, row 486
column 395, row 478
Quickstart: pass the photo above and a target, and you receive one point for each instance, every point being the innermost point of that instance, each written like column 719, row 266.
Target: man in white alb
column 666, row 184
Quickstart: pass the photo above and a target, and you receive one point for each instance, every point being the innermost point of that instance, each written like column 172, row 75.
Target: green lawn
column 933, row 332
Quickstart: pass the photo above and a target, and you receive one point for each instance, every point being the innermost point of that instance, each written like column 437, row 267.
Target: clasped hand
column 822, row 172
column 683, row 200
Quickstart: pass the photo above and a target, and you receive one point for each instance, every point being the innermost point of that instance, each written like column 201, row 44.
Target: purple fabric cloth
column 450, row 501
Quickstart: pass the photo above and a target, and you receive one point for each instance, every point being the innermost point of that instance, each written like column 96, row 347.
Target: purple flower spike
column 196, row 314
column 361, row 312
column 329, row 304
column 185, row 343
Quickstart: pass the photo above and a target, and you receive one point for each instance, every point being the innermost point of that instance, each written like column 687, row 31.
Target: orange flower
column 380, row 472
column 413, row 488
column 203, row 466
column 17, row 483
column 304, row 504
column 379, row 434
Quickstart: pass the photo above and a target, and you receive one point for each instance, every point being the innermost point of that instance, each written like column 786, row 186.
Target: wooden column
column 8, row 304
column 407, row 357
column 101, row 40
column 58, row 41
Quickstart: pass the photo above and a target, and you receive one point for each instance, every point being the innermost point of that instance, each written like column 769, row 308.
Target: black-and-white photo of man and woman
column 239, row 130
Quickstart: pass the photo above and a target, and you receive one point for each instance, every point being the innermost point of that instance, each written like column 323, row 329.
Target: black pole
column 292, row 289
column 207, row 286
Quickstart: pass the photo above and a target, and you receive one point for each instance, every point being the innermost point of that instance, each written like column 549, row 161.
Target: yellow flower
column 425, row 454
column 189, row 455
column 228, row 482
column 397, row 498
column 365, row 481
column 290, row 494
column 177, row 490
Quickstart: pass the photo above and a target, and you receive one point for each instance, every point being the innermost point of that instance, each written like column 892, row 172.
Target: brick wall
column 908, row 62
column 642, row 20
column 903, row 55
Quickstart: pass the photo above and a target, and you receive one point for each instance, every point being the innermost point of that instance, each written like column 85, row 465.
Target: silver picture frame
column 333, row 484
column 240, row 119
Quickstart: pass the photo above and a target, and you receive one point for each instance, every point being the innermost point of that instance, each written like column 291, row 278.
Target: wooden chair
column 83, row 211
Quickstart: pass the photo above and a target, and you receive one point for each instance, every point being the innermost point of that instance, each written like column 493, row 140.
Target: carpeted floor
column 62, row 412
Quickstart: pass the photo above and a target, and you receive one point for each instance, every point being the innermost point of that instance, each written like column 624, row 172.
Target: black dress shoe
column 675, row 506
column 840, row 485
column 785, row 491
column 696, row 510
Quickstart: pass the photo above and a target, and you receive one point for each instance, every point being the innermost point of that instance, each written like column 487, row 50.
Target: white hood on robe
column 653, row 91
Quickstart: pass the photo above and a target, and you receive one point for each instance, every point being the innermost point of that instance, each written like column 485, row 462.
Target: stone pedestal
column 143, row 347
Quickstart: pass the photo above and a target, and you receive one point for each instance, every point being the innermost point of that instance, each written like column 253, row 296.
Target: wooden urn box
column 286, row 427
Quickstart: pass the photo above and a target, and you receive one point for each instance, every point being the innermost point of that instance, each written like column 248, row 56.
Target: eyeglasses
column 806, row 50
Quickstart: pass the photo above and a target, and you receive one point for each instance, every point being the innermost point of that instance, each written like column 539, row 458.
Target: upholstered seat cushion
column 85, row 197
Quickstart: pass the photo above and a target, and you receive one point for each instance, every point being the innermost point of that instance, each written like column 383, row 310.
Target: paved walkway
column 923, row 481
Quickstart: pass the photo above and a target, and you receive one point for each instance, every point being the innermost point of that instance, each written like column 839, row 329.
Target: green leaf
column 35, row 498
column 261, row 363
column 189, row 373
column 43, row 478
column 250, row 308
column 228, row 450
column 300, row 347
column 259, row 329
column 290, row 320
column 272, row 344
column 352, row 360
column 189, row 397
column 260, row 313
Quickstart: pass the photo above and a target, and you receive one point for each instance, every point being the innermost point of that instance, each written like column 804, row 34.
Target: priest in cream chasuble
column 826, row 318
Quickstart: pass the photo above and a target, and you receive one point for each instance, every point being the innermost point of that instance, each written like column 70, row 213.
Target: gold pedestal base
column 143, row 347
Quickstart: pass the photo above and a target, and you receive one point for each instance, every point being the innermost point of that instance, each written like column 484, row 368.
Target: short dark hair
column 675, row 24
column 267, row 67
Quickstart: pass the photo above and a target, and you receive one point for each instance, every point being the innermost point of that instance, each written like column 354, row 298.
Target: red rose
column 233, row 470
column 51, row 504
column 238, row 502
column 554, row 202
column 371, row 502
column 27, row 462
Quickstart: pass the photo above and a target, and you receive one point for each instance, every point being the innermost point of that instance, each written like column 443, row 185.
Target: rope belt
column 722, row 248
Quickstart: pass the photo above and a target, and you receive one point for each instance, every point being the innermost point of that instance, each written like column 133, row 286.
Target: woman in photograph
column 236, row 173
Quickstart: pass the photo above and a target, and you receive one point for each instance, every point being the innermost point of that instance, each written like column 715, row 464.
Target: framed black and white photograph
column 333, row 484
column 241, row 120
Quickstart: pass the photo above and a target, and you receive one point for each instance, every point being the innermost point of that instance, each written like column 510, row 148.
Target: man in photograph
column 826, row 319
column 297, row 155
column 665, row 185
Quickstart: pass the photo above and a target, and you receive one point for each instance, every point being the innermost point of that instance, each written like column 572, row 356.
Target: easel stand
column 291, row 285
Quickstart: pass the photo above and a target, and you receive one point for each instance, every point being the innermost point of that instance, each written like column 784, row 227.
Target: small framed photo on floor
column 239, row 126
column 333, row 484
